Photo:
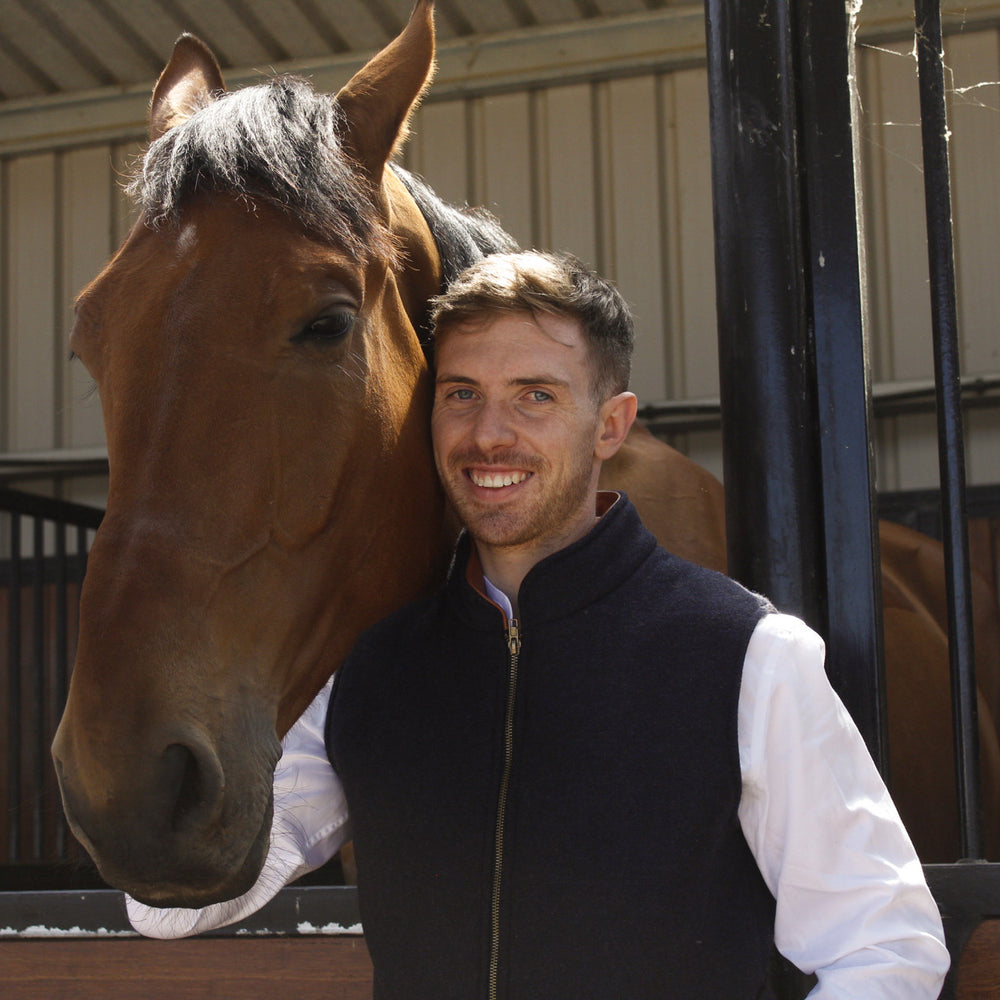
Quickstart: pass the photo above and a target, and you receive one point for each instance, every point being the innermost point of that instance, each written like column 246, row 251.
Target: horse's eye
column 329, row 327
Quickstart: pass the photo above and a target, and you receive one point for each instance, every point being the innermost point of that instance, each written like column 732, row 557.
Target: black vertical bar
column 37, row 717
column 768, row 400
column 14, row 695
column 56, row 700
column 951, row 445
column 81, row 571
column 767, row 385
column 838, row 297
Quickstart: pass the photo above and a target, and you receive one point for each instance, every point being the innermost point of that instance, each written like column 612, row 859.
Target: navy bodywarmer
column 574, row 834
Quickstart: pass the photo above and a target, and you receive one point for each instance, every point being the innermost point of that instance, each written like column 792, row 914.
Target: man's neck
column 505, row 571
column 507, row 566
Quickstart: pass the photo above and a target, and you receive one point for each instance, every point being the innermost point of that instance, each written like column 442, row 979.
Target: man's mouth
column 497, row 480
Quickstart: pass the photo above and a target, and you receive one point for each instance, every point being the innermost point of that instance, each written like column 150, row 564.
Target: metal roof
column 61, row 47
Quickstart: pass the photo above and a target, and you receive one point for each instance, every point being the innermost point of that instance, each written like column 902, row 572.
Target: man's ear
column 615, row 418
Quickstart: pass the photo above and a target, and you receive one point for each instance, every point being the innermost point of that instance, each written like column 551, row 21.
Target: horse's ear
column 380, row 97
column 187, row 83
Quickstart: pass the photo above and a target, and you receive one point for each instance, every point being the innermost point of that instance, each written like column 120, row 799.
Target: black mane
column 462, row 235
column 280, row 142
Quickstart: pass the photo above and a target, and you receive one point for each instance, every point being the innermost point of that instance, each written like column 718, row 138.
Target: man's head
column 547, row 284
column 523, row 413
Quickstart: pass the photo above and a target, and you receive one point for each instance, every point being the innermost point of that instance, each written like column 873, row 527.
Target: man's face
column 515, row 427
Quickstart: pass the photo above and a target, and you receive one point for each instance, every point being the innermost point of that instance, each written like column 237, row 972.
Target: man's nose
column 494, row 428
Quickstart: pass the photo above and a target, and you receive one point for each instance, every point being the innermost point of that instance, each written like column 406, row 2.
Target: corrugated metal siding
column 60, row 46
column 62, row 216
column 616, row 170
column 901, row 327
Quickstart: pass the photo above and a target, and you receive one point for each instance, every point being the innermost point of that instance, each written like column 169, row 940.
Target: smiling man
column 587, row 768
column 520, row 427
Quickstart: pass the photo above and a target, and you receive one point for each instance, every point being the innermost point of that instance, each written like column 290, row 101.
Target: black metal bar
column 31, row 705
column 19, row 502
column 767, row 386
column 829, row 163
column 36, row 717
column 14, row 695
column 795, row 387
column 951, row 446
column 768, row 398
column 58, row 695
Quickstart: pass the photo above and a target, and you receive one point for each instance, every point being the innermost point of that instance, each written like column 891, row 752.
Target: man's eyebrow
column 540, row 379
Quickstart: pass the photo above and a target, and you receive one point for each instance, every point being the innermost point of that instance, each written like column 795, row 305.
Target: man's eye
column 539, row 396
column 463, row 395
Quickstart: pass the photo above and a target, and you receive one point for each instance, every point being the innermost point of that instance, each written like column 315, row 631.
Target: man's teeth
column 494, row 480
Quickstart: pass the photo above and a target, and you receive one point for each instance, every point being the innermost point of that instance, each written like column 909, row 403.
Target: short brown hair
column 555, row 283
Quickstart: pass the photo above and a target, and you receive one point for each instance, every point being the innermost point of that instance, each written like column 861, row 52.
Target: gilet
column 560, row 824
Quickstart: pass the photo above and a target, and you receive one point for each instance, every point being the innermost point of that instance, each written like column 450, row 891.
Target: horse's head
column 265, row 398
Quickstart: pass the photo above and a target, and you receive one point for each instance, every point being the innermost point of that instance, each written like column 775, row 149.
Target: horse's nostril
column 192, row 774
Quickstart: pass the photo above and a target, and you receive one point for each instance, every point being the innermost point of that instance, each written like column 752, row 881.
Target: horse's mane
column 462, row 235
column 280, row 142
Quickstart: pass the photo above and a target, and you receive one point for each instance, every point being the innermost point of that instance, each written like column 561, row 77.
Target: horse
column 259, row 345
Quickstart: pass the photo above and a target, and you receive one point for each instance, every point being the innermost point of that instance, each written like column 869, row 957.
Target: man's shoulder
column 712, row 593
column 401, row 624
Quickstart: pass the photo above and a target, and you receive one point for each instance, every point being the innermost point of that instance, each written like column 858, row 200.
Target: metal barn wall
column 615, row 168
column 900, row 329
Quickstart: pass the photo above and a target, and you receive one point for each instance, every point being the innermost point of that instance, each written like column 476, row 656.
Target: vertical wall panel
column 31, row 296
column 635, row 260
column 87, row 216
column 90, row 197
column 897, row 254
column 439, row 149
column 504, row 179
column 694, row 343
column 567, row 172
column 693, row 253
column 974, row 119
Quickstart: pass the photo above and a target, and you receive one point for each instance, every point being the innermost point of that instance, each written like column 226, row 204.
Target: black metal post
column 767, row 386
column 57, row 698
column 951, row 445
column 838, row 304
column 14, row 694
column 37, row 716
column 793, row 365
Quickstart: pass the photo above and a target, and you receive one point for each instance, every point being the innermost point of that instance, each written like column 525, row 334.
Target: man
column 587, row 768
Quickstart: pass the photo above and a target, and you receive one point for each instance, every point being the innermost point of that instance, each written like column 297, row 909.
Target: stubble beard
column 521, row 521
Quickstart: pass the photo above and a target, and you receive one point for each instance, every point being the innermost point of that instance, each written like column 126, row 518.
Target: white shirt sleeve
column 310, row 825
column 852, row 902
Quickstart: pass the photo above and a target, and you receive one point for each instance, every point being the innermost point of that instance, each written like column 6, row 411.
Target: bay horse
column 258, row 345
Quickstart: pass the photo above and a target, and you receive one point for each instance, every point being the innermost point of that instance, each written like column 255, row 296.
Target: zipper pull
column 513, row 637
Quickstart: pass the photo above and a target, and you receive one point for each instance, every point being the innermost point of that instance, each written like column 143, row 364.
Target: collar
column 564, row 582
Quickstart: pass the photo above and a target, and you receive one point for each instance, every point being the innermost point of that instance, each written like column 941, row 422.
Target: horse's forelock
column 279, row 142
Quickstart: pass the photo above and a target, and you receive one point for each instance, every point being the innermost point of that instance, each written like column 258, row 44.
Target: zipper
column 514, row 649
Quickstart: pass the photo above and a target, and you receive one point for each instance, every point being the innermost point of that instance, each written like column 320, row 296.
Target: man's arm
column 310, row 825
column 852, row 902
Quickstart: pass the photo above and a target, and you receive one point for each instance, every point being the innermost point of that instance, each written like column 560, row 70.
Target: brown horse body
column 272, row 493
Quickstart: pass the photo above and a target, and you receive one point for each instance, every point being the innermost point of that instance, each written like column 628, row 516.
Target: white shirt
column 852, row 902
